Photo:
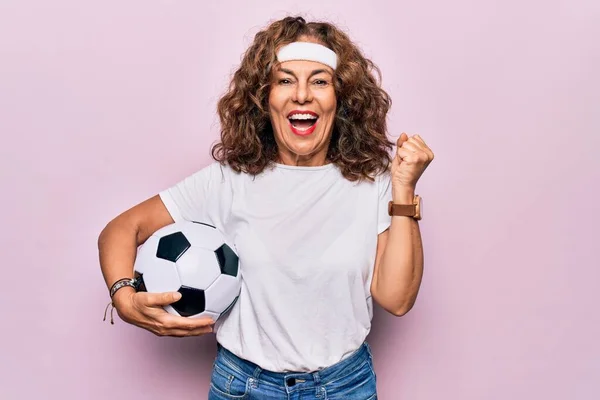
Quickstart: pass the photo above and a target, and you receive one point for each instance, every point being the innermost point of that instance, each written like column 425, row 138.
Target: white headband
column 308, row 51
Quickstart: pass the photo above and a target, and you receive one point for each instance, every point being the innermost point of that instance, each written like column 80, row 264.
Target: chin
column 305, row 148
column 301, row 153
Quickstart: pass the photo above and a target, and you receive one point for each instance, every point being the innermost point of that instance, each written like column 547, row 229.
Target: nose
column 302, row 94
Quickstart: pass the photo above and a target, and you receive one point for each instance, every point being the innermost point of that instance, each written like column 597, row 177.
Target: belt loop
column 254, row 379
column 319, row 389
column 316, row 377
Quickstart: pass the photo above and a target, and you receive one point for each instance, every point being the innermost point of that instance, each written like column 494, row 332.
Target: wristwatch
column 406, row 210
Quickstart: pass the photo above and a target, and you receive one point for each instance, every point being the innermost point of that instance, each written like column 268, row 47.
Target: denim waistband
column 333, row 372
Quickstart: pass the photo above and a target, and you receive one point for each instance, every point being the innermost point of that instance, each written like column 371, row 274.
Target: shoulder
column 215, row 170
column 210, row 174
column 222, row 174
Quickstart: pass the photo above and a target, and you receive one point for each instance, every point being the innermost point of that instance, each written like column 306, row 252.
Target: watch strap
column 404, row 210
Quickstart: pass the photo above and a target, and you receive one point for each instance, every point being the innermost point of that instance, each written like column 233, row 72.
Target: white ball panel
column 146, row 252
column 203, row 236
column 197, row 234
column 198, row 268
column 222, row 292
column 161, row 276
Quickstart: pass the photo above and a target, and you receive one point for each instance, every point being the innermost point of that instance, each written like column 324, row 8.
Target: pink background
column 102, row 104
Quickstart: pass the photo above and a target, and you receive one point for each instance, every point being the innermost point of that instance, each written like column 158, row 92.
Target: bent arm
column 398, row 263
column 118, row 241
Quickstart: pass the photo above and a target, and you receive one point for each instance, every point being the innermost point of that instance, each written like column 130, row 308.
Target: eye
column 284, row 81
column 321, row 82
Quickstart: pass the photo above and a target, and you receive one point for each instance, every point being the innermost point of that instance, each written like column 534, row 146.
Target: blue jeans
column 350, row 379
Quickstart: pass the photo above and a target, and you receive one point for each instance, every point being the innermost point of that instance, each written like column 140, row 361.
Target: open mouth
column 303, row 122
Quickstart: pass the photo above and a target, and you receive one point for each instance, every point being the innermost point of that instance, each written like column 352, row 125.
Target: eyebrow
column 314, row 72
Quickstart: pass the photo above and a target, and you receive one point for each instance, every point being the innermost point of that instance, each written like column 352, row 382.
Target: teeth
column 303, row 116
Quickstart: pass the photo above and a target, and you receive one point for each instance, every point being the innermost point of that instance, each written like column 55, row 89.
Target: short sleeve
column 384, row 188
column 199, row 197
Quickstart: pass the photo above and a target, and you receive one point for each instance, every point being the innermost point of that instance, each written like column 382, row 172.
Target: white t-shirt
column 306, row 238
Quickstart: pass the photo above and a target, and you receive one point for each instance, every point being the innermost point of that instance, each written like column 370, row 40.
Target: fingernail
column 176, row 296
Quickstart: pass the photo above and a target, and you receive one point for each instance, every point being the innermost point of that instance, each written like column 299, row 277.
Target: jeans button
column 290, row 381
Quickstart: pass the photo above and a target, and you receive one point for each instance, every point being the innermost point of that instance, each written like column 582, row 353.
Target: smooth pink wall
column 103, row 104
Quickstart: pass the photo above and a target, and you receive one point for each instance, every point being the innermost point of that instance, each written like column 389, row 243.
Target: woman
column 301, row 184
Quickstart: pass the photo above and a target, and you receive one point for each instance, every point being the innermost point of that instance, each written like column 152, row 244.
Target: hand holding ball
column 189, row 270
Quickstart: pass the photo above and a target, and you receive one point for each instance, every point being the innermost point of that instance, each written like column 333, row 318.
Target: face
column 302, row 106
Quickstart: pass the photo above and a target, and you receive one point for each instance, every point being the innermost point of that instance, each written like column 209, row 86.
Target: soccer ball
column 193, row 259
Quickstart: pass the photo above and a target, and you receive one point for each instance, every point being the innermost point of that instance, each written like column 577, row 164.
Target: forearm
column 117, row 248
column 401, row 268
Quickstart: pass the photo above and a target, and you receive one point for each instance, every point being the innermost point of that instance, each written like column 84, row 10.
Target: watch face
column 419, row 207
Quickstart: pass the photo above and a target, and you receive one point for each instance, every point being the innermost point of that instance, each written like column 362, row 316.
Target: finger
column 414, row 157
column 185, row 332
column 202, row 331
column 424, row 146
column 411, row 146
column 199, row 331
column 407, row 155
column 403, row 138
column 417, row 142
column 160, row 299
column 170, row 321
column 420, row 139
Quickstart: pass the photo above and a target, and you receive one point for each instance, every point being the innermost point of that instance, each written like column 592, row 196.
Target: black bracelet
column 113, row 285
column 122, row 283
column 133, row 282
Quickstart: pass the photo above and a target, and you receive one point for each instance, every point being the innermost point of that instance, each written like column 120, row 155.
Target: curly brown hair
column 359, row 145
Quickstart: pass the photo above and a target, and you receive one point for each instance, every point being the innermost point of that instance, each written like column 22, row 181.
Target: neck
column 316, row 161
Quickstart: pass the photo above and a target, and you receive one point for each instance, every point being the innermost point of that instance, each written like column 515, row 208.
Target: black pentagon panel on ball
column 140, row 285
column 192, row 301
column 171, row 247
column 228, row 260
